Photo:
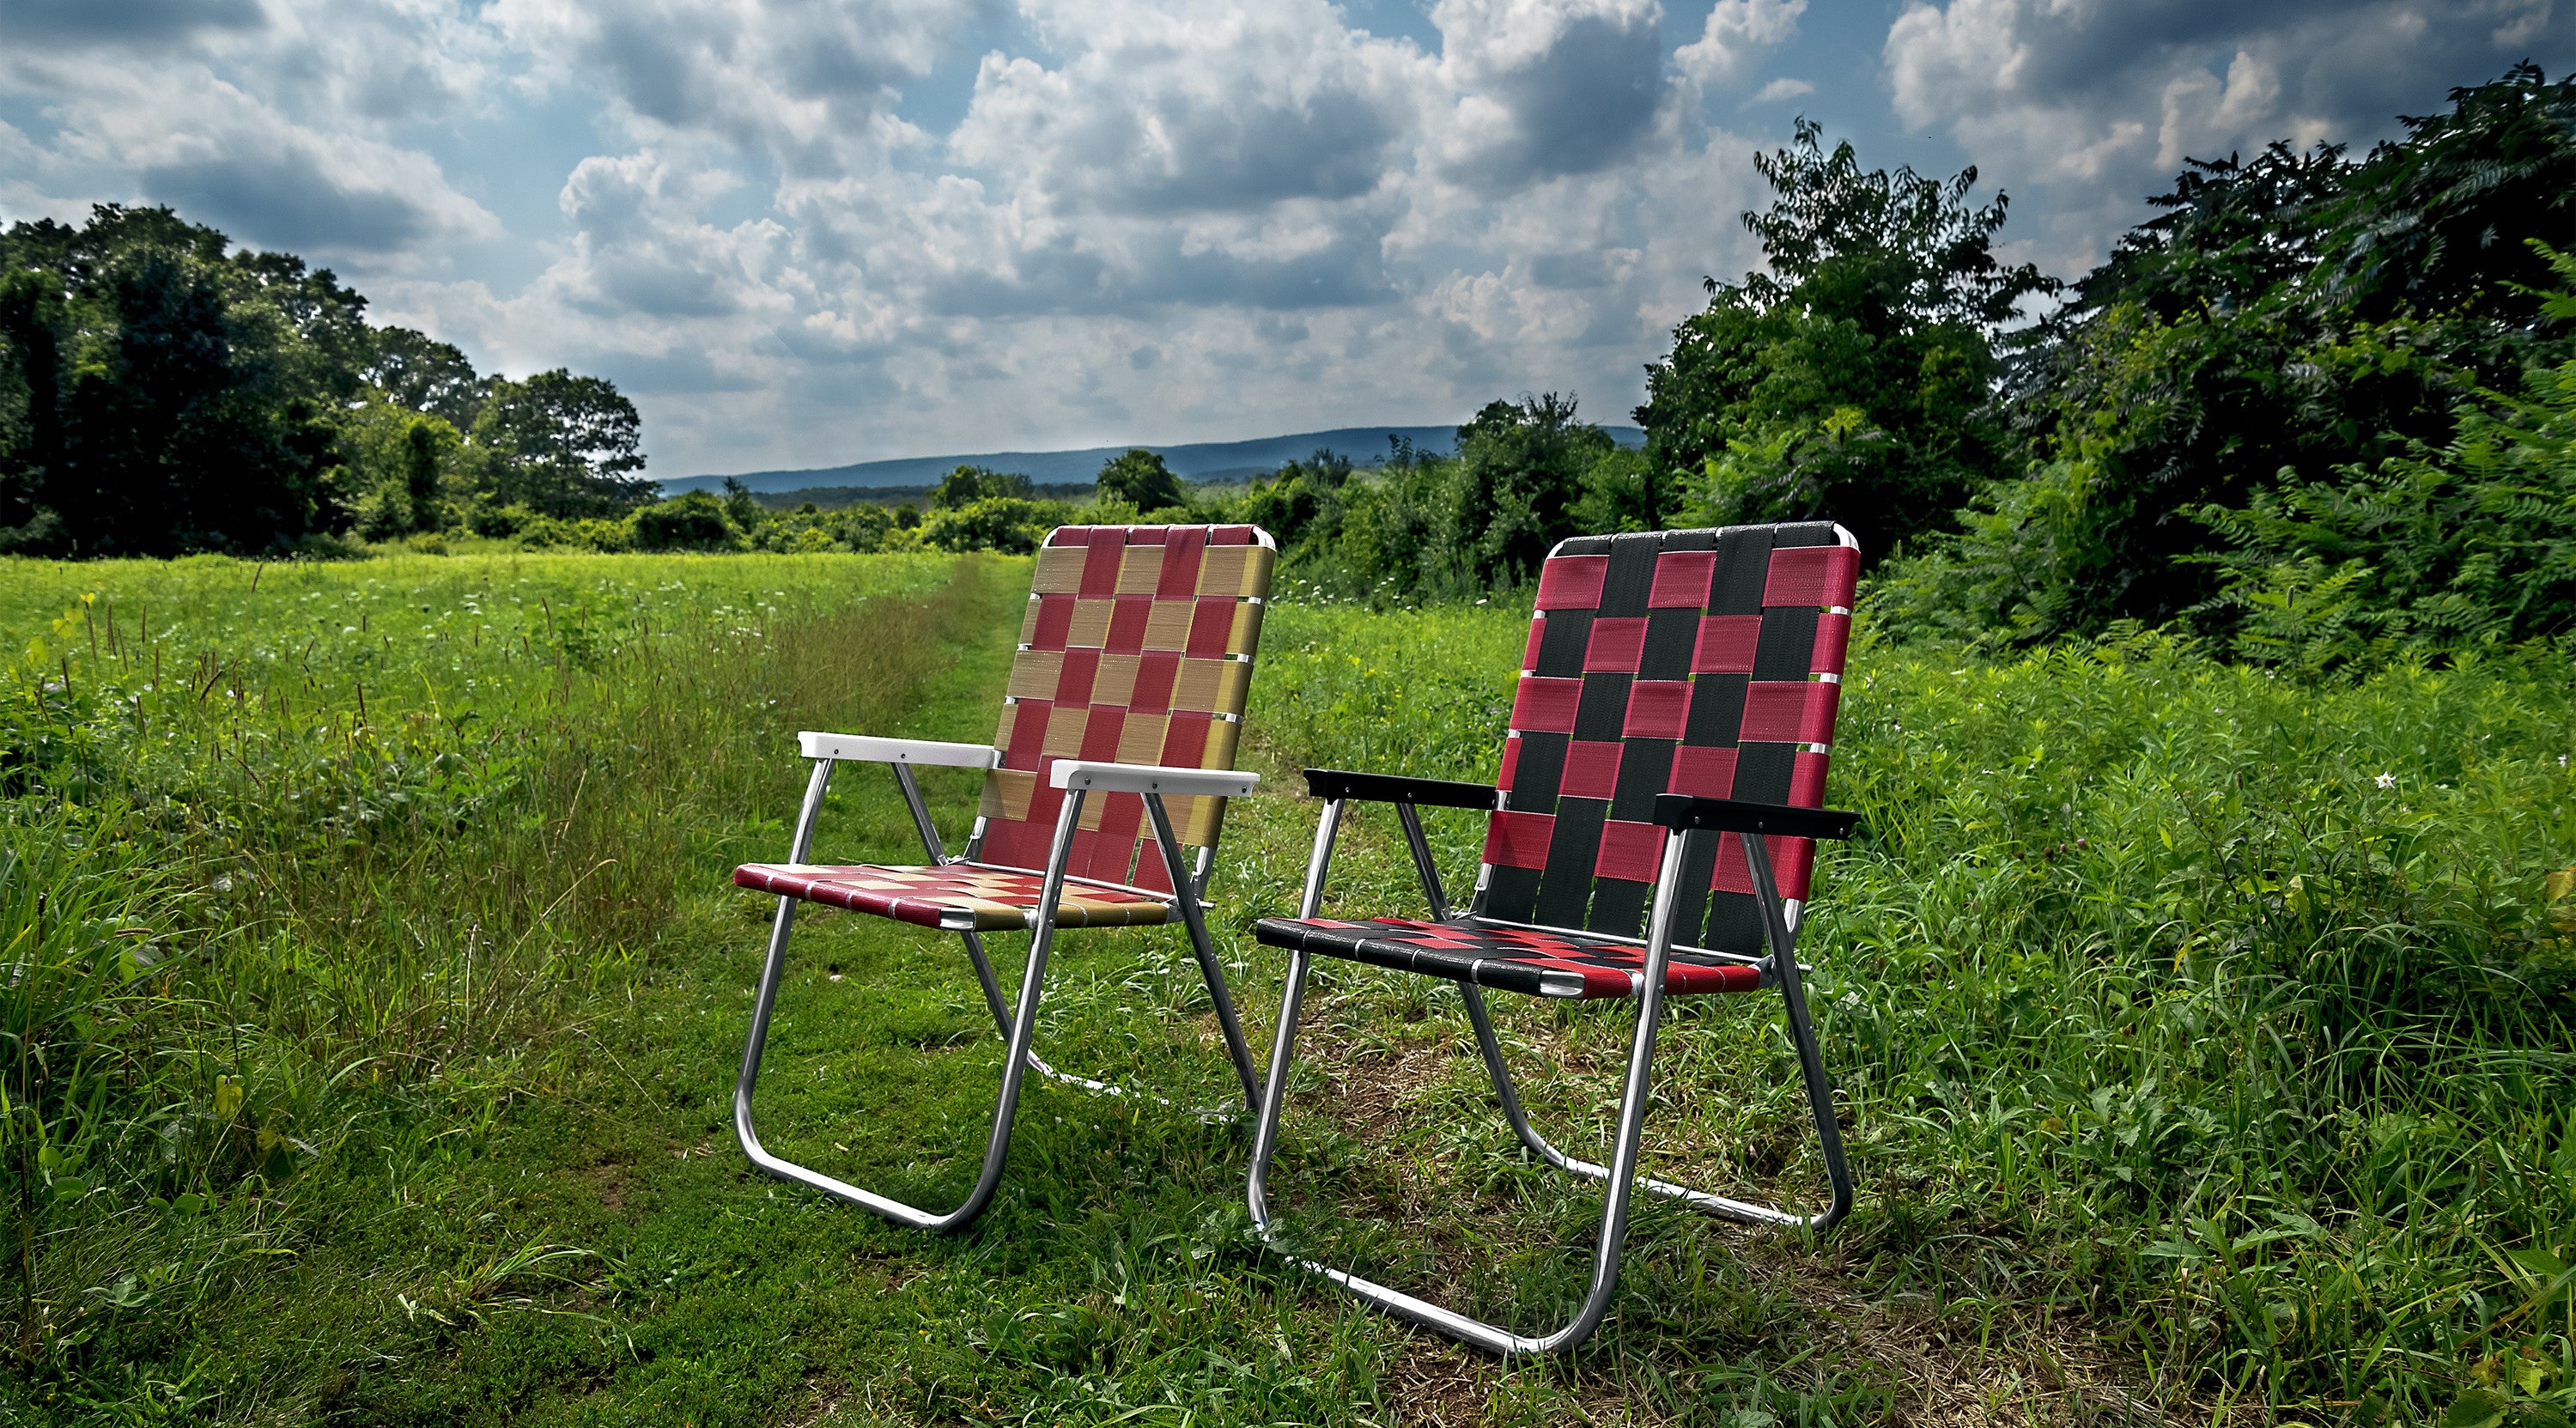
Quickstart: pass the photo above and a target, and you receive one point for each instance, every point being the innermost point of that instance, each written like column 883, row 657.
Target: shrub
column 692, row 520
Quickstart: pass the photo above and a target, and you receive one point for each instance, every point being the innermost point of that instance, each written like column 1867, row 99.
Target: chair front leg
column 1014, row 1066
column 1621, row 1176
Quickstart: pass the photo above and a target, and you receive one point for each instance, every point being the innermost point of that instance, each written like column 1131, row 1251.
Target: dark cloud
column 1062, row 277
column 1233, row 157
column 283, row 199
column 1578, row 107
column 130, row 24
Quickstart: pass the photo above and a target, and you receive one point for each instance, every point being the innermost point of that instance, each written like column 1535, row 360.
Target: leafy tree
column 423, row 374
column 968, row 484
column 397, row 463
column 1854, row 379
column 741, row 506
column 2286, row 323
column 1519, row 474
column 1139, row 478
column 163, row 397
column 2436, row 222
column 692, row 520
column 561, row 445
column 1301, row 503
column 1012, row 525
column 2427, row 554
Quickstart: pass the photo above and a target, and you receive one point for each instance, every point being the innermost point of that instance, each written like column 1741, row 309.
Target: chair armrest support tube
column 1682, row 812
column 1398, row 788
column 814, row 744
column 1152, row 778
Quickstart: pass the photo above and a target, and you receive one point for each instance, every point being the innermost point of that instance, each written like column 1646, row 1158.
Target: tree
column 561, row 445
column 1139, row 478
column 1520, row 473
column 423, row 374
column 966, row 485
column 692, row 520
column 1853, row 380
column 741, row 506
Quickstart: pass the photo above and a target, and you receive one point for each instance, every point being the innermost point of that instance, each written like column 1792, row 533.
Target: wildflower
column 2387, row 780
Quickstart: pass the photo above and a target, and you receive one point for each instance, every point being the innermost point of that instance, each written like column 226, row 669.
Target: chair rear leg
column 1719, row 1205
column 1802, row 1033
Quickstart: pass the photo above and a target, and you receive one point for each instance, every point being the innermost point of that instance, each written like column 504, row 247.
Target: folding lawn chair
column 1677, row 694
column 1134, row 661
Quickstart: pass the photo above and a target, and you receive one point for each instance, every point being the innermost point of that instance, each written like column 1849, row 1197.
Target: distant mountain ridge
column 1205, row 462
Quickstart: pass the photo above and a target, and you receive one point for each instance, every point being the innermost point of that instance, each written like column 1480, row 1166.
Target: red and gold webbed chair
column 1650, row 836
column 1104, row 792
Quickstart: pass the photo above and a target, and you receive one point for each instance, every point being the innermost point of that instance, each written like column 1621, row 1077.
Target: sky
column 809, row 232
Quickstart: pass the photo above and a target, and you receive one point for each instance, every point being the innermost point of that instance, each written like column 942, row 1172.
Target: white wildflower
column 2387, row 780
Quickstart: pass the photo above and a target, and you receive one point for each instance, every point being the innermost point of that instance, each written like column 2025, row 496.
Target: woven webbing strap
column 1137, row 647
column 1704, row 662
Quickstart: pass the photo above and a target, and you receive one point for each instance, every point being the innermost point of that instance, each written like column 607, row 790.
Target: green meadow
column 375, row 986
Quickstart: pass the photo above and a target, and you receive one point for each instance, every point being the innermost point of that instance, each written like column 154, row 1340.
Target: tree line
column 2318, row 409
column 162, row 392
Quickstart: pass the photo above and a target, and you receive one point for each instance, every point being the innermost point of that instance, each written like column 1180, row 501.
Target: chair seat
column 1511, row 959
column 956, row 897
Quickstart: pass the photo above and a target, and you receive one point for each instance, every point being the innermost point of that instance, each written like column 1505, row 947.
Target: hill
column 1205, row 462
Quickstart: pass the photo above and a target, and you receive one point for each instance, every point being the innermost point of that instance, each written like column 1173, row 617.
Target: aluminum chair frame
column 1016, row 1025
column 1689, row 818
column 1684, row 818
column 1017, row 1028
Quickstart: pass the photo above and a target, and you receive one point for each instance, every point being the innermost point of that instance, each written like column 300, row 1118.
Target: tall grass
column 2211, row 1022
column 2229, row 1013
column 320, row 864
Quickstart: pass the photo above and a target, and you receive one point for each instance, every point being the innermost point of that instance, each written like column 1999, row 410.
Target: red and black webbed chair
column 1104, row 793
column 1650, row 836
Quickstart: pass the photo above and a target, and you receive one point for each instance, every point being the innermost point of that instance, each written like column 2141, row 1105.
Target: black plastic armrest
column 1679, row 811
column 1398, row 788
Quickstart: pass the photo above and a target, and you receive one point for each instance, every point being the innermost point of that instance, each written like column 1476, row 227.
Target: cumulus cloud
column 1126, row 219
column 266, row 122
column 2098, row 102
column 812, row 85
column 1737, row 37
column 1545, row 88
column 124, row 24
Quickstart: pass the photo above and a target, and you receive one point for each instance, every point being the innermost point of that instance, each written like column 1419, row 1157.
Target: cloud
column 1739, row 35
column 1546, row 88
column 125, row 24
column 1779, row 89
column 221, row 156
column 2097, row 102
column 1193, row 109
column 811, row 85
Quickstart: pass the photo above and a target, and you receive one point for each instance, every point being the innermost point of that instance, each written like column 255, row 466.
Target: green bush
column 1011, row 525
column 692, row 520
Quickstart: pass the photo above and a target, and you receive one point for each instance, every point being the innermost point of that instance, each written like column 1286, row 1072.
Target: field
column 375, row 990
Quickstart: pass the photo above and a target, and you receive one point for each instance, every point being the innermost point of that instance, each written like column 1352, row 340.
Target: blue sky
column 806, row 232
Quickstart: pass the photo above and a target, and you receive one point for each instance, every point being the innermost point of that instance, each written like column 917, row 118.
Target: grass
column 2203, row 1038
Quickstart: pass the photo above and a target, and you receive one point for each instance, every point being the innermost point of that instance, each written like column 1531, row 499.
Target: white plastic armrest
column 1152, row 778
column 897, row 751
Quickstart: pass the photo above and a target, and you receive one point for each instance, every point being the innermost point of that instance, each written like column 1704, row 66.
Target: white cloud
column 1738, row 36
column 1781, row 88
column 811, row 85
column 2096, row 103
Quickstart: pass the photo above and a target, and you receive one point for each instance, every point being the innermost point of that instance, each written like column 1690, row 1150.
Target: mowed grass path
column 2193, row 1074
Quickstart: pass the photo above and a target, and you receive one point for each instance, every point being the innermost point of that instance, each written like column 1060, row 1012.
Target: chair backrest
column 1704, row 662
column 1137, row 647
